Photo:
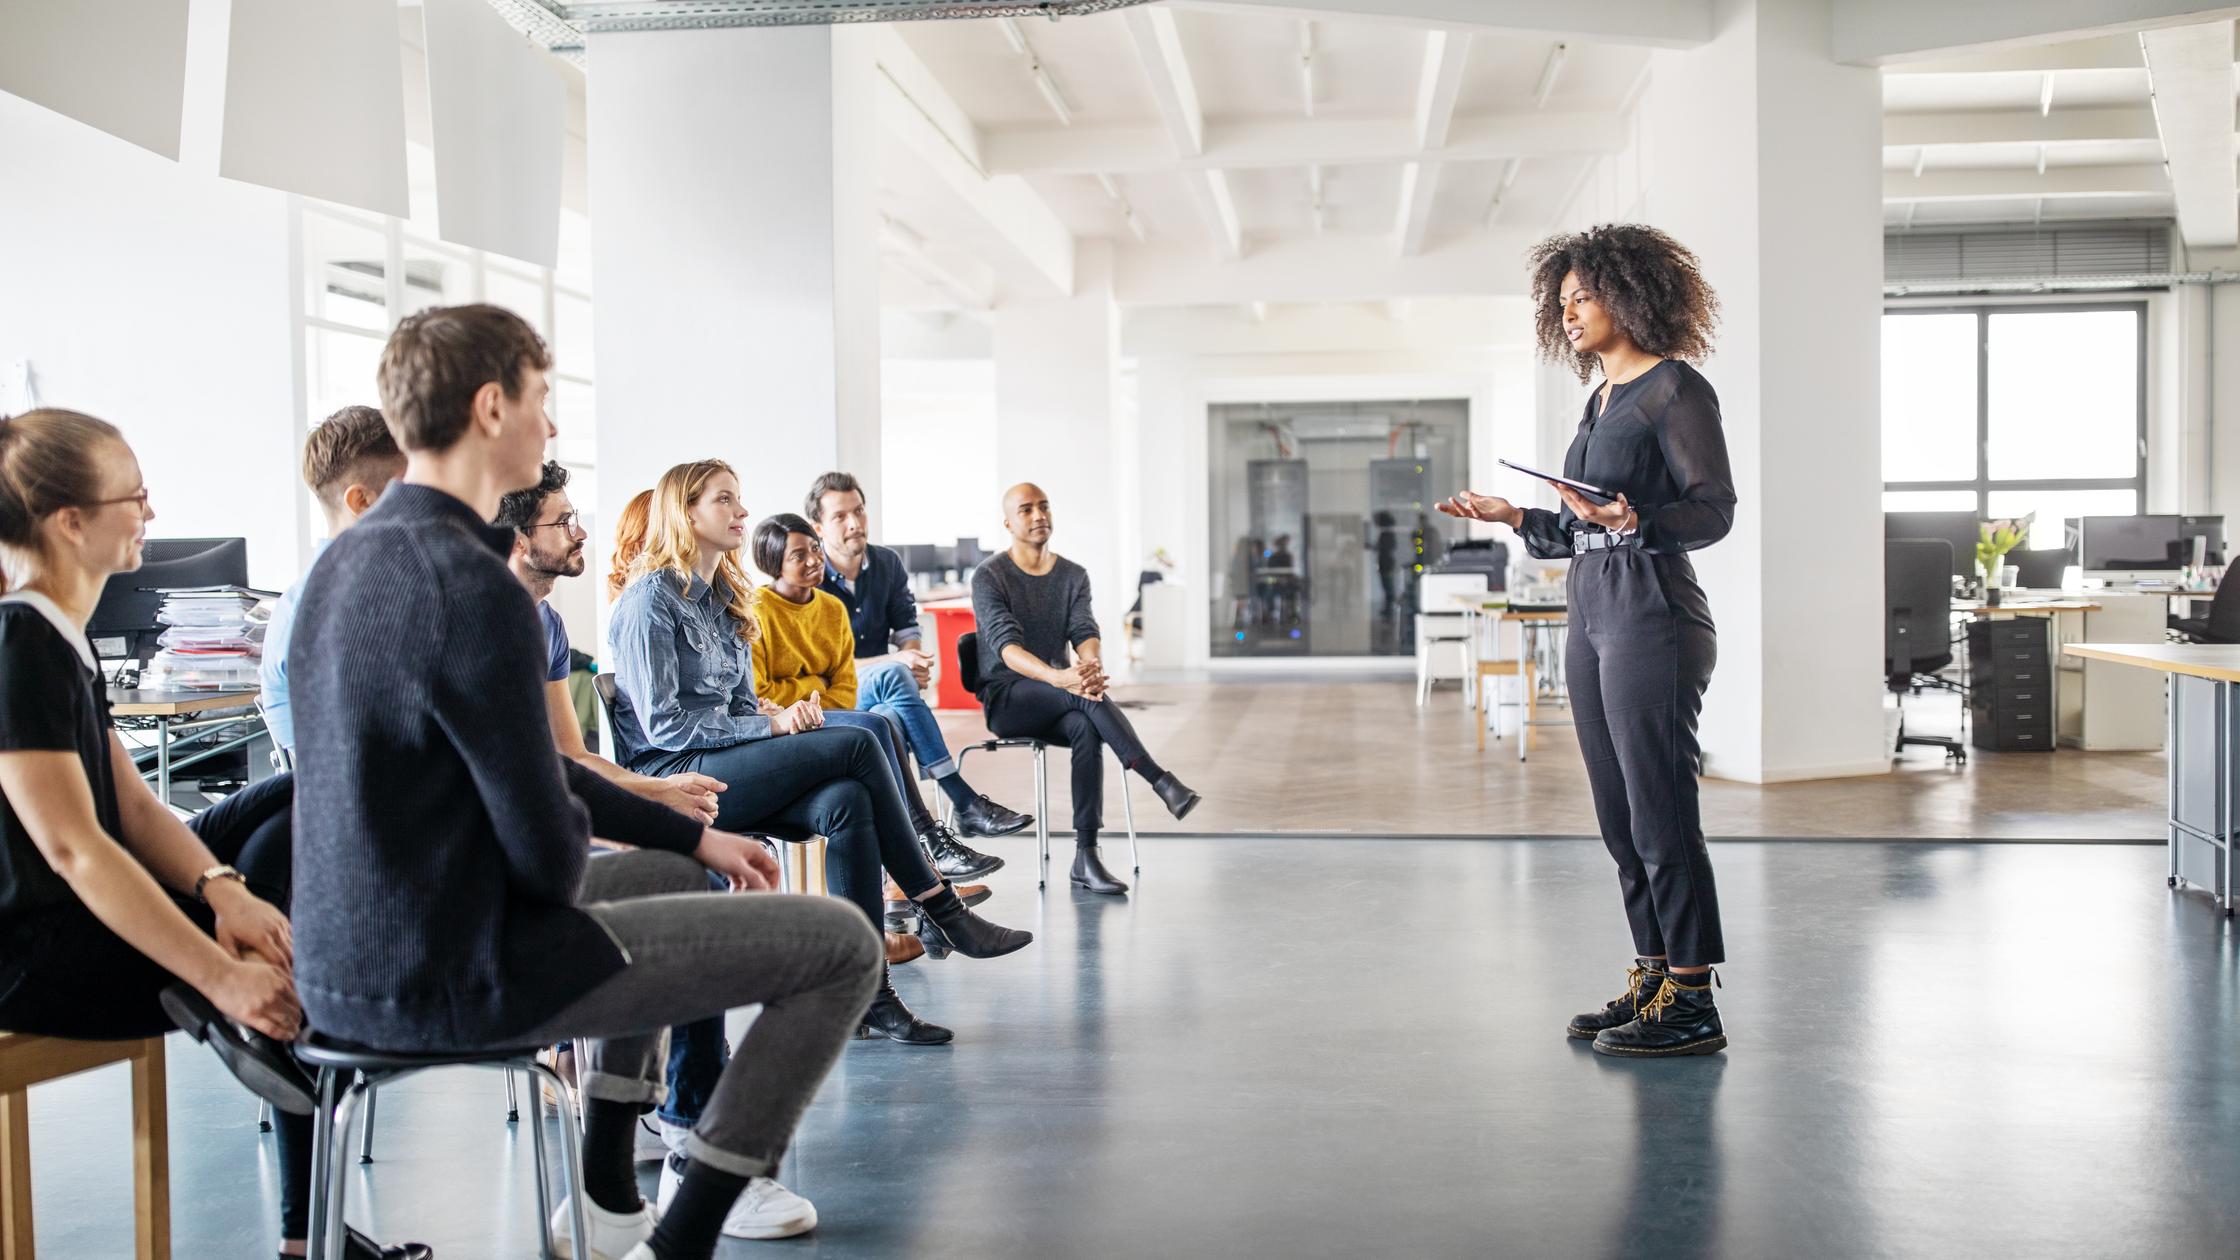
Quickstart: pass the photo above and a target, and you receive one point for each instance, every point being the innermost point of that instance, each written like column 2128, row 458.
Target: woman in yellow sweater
column 807, row 648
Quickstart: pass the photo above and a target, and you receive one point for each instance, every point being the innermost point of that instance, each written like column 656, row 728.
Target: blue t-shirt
column 272, row 670
column 555, row 644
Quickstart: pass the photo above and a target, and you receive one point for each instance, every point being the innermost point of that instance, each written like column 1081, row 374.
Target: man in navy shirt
column 874, row 586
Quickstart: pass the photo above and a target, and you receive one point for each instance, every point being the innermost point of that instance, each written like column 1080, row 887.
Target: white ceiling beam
column 970, row 283
column 2098, row 52
column 2018, row 126
column 1446, row 56
column 925, row 123
column 1643, row 23
column 1333, row 268
column 1158, row 46
column 1881, row 32
column 2191, row 70
column 1898, row 187
column 1277, row 142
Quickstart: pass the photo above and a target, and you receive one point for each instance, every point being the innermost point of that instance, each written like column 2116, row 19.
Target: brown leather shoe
column 902, row 949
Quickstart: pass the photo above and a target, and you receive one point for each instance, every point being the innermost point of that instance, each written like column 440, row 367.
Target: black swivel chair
column 1917, row 626
column 2222, row 625
column 968, row 673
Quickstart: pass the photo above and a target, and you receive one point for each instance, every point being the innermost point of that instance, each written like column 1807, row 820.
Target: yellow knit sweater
column 804, row 648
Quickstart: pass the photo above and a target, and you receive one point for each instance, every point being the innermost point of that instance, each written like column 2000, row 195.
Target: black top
column 881, row 609
column 51, row 700
column 1659, row 443
column 440, row 840
column 1046, row 615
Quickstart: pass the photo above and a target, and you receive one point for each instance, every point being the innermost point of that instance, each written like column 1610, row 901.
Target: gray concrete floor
column 1355, row 1048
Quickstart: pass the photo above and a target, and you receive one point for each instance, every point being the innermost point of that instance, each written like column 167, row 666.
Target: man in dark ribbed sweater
column 444, row 900
column 1032, row 609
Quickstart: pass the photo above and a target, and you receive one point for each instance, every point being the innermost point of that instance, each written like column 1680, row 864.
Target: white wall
column 155, row 296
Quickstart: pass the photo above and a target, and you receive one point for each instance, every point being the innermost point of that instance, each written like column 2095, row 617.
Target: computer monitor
column 2210, row 529
column 2115, row 548
column 1961, row 529
column 922, row 558
column 969, row 555
column 124, row 624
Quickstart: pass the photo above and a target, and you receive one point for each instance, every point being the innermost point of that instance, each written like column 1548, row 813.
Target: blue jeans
column 890, row 689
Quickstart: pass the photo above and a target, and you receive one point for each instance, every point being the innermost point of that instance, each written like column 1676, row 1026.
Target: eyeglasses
column 566, row 521
column 139, row 496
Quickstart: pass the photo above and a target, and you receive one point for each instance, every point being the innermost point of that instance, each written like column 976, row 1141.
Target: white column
column 1057, row 364
column 734, row 258
column 1765, row 157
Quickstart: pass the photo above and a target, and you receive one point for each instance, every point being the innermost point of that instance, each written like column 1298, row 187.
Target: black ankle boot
column 1678, row 1019
column 889, row 1018
column 1180, row 800
column 1089, row 871
column 1642, row 982
column 945, row 919
column 954, row 859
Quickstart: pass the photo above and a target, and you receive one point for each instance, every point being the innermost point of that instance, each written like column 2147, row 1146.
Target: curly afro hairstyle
column 1650, row 284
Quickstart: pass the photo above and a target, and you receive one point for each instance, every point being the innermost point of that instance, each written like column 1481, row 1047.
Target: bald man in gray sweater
column 1042, row 674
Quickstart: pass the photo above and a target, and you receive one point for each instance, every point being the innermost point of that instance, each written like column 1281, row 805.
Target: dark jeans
column 810, row 964
column 834, row 782
column 889, row 734
column 59, row 957
column 1023, row 708
column 1639, row 655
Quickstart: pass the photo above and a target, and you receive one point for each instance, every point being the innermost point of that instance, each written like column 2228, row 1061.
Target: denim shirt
column 684, row 678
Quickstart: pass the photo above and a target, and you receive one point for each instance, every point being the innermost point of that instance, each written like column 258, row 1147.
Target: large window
column 2009, row 410
column 361, row 273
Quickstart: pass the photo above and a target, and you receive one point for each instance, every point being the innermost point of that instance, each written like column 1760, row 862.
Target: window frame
column 1983, row 484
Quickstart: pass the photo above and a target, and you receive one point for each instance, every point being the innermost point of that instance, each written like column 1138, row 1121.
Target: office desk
column 1540, row 637
column 2098, row 706
column 179, row 713
column 2204, row 761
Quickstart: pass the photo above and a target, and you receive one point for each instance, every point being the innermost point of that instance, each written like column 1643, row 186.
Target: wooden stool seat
column 1504, row 669
column 27, row 1060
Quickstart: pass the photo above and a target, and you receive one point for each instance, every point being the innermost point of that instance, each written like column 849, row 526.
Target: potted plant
column 1995, row 539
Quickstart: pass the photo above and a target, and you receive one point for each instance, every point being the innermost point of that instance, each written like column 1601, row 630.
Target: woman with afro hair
column 1632, row 302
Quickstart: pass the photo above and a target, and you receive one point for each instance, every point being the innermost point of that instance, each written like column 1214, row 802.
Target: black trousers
column 1640, row 652
column 1025, row 708
column 835, row 782
column 68, row 975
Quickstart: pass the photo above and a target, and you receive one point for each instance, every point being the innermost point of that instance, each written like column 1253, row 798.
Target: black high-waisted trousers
column 1640, row 651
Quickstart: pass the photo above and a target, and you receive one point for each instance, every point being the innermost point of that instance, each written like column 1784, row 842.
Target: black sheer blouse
column 1659, row 443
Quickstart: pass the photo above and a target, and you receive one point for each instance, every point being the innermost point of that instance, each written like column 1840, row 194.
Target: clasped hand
column 1086, row 679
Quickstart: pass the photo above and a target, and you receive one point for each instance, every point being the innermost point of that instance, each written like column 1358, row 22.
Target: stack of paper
column 213, row 642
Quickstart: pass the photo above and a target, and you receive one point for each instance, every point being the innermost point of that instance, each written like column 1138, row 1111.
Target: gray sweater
column 1047, row 615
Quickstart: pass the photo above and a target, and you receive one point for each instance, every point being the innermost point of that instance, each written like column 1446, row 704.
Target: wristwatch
column 220, row 871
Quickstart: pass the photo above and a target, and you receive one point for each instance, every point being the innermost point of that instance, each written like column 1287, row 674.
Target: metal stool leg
column 338, row 1180
column 365, row 1140
column 571, row 1157
column 536, row 1147
column 264, row 1116
column 513, row 1102
column 322, row 1157
column 1128, row 808
column 1042, row 811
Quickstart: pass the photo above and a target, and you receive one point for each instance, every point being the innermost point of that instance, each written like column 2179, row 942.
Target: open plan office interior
column 1243, row 309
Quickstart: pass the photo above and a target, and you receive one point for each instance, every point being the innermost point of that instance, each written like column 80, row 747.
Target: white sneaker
column 765, row 1209
column 641, row 1252
column 650, row 1143
column 614, row 1235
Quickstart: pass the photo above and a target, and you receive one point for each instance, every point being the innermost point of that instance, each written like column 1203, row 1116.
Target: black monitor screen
column 2117, row 544
column 2210, row 528
column 1961, row 529
column 129, row 602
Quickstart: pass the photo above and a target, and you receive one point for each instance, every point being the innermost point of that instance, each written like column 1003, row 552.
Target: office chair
column 2222, row 625
column 968, row 673
column 1917, row 628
